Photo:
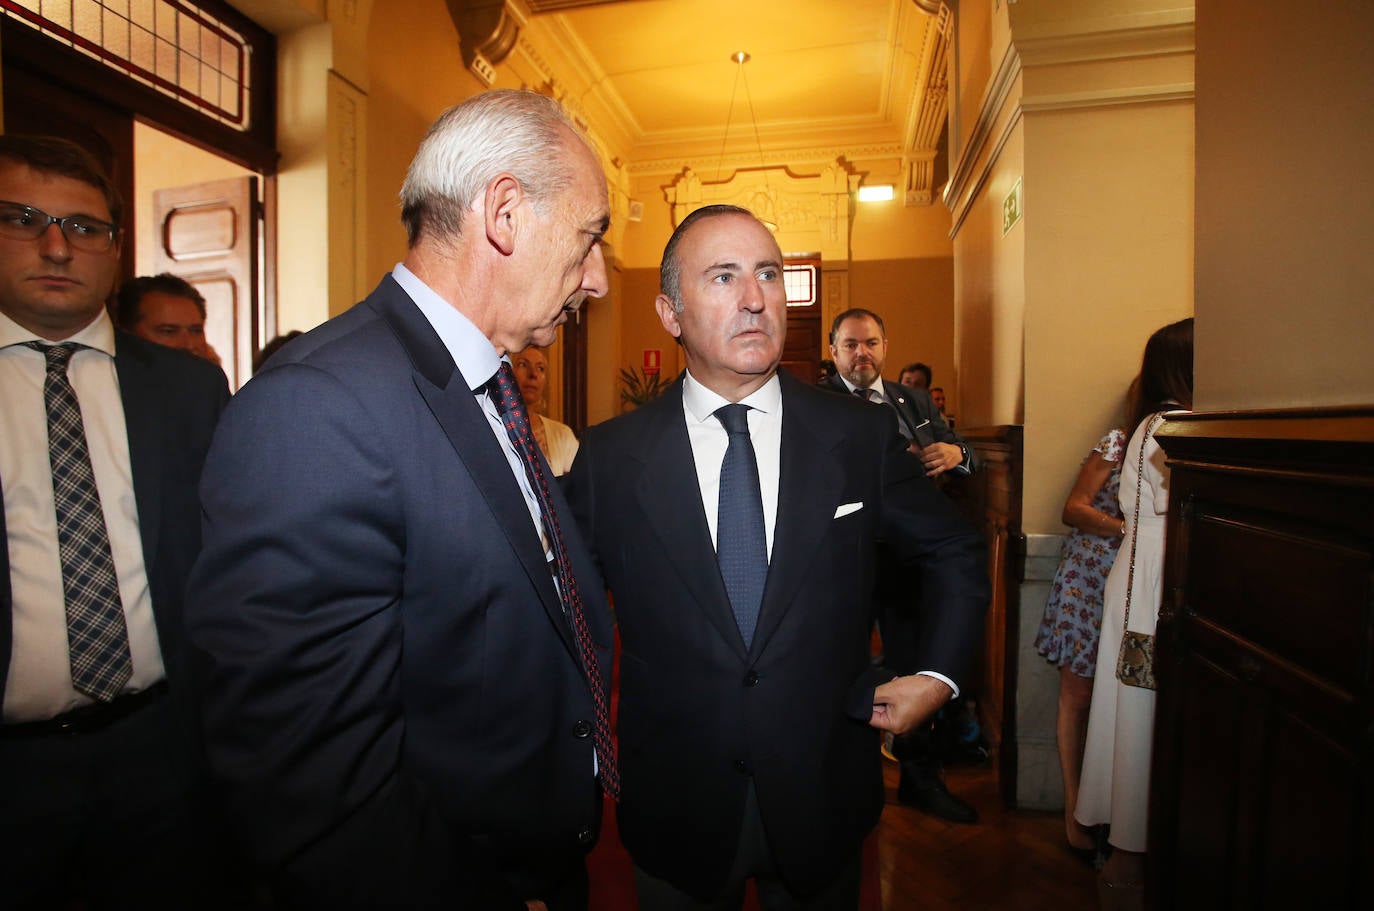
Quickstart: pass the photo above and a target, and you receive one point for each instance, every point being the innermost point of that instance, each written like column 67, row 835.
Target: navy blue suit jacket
column 699, row 713
column 391, row 691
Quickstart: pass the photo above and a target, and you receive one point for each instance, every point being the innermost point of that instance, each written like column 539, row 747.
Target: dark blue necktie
column 741, row 547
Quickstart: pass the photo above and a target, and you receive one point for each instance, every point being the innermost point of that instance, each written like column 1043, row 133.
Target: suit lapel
column 810, row 483
column 147, row 449
column 453, row 405
column 669, row 494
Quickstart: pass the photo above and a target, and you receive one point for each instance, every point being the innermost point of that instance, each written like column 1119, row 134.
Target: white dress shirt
column 709, row 442
column 39, row 683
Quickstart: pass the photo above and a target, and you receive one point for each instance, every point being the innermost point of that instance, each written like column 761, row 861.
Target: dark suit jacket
column 392, row 694
column 699, row 714
column 171, row 403
column 914, row 406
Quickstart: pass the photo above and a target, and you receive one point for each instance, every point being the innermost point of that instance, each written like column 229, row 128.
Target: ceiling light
column 881, row 193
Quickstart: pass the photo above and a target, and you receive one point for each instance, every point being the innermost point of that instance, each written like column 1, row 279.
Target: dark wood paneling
column 991, row 500
column 1263, row 777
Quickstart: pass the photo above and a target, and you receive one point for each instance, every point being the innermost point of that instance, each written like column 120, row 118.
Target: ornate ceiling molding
column 817, row 155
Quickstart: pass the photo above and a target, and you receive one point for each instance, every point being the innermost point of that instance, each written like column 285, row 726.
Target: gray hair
column 510, row 130
column 670, row 271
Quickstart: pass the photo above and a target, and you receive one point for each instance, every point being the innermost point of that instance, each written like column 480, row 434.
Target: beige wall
column 989, row 270
column 415, row 74
column 1285, row 310
column 1090, row 107
column 1108, row 261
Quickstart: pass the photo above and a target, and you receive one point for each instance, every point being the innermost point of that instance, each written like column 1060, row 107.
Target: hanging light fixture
column 740, row 58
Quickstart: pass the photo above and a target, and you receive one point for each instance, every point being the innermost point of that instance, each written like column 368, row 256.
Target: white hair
column 520, row 132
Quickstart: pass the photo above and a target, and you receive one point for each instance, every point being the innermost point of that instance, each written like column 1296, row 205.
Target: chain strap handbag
column 1135, row 664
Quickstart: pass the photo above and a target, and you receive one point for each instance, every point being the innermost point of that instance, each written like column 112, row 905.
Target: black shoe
column 931, row 796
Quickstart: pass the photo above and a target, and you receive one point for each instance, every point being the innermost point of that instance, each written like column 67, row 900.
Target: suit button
column 751, row 679
column 585, row 835
column 582, row 730
column 742, row 767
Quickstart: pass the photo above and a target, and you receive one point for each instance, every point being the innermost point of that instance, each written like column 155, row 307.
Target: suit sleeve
column 925, row 532
column 294, row 611
column 924, row 409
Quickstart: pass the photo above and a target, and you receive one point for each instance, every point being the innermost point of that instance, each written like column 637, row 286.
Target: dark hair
column 131, row 294
column 670, row 271
column 272, row 347
column 1166, row 372
column 855, row 313
column 51, row 155
column 918, row 367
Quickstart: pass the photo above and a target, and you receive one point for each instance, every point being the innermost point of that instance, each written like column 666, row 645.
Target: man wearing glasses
column 102, row 436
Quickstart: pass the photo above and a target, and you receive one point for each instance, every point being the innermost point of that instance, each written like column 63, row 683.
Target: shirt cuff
column 943, row 679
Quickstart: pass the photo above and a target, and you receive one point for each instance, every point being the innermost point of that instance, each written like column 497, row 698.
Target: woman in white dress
column 1115, row 783
column 555, row 438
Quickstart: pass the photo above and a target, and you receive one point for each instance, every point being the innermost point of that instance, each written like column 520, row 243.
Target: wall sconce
column 880, row 193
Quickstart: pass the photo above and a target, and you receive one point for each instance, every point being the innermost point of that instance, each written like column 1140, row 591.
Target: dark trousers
column 753, row 860
column 108, row 818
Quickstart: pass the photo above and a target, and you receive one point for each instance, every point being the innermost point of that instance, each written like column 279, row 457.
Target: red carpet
column 612, row 873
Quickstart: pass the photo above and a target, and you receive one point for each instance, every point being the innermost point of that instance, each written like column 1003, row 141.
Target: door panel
column 207, row 233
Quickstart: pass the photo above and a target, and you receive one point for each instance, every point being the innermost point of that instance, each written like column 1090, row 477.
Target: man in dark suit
column 165, row 309
column 735, row 519
column 102, row 436
column 406, row 653
column 858, row 341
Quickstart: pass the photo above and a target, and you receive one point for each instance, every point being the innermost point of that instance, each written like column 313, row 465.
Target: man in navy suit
column 749, row 708
column 100, row 774
column 858, row 342
column 397, row 700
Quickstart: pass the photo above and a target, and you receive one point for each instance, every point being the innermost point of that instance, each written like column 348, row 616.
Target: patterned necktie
column 741, row 545
column 97, row 639
column 865, row 394
column 510, row 404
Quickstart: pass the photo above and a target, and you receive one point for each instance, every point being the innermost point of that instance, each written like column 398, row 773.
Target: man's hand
column 536, row 906
column 904, row 702
column 939, row 458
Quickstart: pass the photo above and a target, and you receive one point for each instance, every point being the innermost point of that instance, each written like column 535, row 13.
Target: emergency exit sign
column 1011, row 208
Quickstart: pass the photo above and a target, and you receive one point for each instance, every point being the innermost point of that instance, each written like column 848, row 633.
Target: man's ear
column 503, row 196
column 667, row 315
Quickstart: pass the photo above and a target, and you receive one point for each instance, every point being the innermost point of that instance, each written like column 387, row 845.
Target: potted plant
column 638, row 387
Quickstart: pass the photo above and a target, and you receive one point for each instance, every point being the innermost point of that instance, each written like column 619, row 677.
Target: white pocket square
column 847, row 508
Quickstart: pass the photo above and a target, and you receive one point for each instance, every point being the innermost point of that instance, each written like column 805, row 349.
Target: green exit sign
column 1011, row 208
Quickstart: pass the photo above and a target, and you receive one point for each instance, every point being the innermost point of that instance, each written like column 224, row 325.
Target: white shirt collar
column 98, row 334
column 701, row 403
column 472, row 351
column 876, row 387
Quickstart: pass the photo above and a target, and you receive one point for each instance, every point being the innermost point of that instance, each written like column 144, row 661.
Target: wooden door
column 801, row 351
column 207, row 233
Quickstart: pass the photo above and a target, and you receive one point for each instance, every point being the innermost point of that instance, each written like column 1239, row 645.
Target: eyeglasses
column 21, row 222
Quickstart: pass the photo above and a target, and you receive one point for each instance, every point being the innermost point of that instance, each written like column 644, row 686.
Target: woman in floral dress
column 1073, row 614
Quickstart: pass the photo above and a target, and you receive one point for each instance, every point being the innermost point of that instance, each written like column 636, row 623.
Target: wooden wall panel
column 1263, row 775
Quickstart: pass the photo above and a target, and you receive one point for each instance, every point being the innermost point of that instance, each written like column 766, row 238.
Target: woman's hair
column 1166, row 372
